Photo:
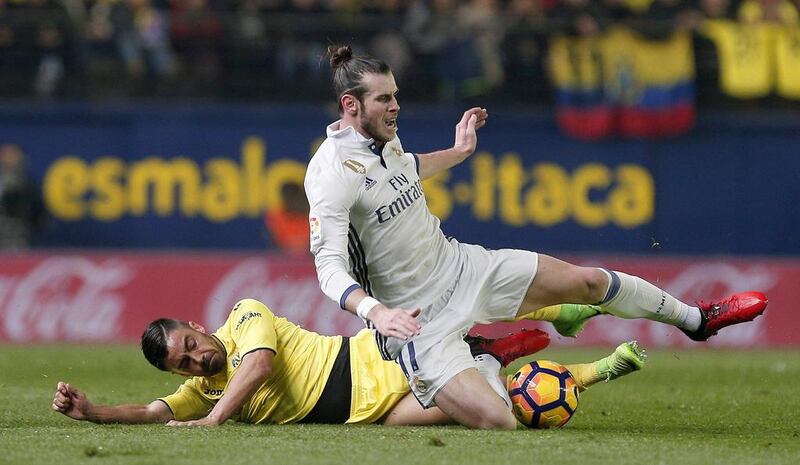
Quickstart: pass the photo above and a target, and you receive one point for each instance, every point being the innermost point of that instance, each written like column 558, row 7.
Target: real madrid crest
column 421, row 386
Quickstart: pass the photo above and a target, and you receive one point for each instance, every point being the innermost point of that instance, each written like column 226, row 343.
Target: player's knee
column 595, row 284
column 491, row 417
column 503, row 420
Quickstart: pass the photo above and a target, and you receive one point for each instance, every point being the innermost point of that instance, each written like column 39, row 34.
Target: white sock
column 633, row 297
column 489, row 368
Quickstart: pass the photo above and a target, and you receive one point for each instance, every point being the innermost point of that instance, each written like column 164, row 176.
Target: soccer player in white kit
column 381, row 254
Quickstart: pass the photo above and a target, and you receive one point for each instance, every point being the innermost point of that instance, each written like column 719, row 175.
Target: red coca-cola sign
column 110, row 297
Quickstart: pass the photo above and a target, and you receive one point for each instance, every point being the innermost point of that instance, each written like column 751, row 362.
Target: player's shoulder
column 395, row 148
column 328, row 157
column 337, row 165
column 248, row 305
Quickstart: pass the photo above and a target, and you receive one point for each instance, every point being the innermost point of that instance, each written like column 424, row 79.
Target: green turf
column 698, row 407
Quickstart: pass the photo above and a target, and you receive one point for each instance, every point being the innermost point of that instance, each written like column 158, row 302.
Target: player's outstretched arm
column 256, row 367
column 466, row 139
column 74, row 404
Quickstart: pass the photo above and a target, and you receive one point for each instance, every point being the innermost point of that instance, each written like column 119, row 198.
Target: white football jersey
column 370, row 224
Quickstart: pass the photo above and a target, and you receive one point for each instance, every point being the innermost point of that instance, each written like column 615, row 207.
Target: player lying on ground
column 259, row 368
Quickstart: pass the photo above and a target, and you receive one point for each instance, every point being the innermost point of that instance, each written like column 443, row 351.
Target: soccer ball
column 543, row 394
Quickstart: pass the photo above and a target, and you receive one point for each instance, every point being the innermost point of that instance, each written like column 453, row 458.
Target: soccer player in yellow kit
column 261, row 368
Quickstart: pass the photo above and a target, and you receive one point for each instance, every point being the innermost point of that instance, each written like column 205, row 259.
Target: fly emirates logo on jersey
column 408, row 194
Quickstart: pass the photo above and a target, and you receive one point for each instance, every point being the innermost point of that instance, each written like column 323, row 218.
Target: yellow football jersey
column 300, row 369
column 303, row 360
column 746, row 57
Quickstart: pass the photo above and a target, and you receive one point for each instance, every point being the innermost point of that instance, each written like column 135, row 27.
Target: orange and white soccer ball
column 543, row 394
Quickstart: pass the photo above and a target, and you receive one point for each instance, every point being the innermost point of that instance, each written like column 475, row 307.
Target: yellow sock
column 626, row 358
column 550, row 313
column 585, row 374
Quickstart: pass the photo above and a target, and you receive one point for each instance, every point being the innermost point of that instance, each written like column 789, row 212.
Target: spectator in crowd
column 249, row 48
column 716, row 9
column 37, row 42
column 769, row 11
column 389, row 42
column 142, row 38
column 299, row 68
column 664, row 17
column 100, row 57
column 523, row 51
column 196, row 33
column 459, row 44
column 447, row 50
column 705, row 52
column 483, row 20
column 52, row 46
column 21, row 210
column 578, row 17
column 7, row 42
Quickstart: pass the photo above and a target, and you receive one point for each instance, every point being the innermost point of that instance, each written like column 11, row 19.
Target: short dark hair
column 348, row 72
column 154, row 340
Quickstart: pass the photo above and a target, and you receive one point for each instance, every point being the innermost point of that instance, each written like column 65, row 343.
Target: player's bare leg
column 503, row 350
column 558, row 282
column 469, row 400
column 409, row 412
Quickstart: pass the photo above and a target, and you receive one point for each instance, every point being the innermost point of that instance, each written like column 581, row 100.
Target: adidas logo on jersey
column 369, row 183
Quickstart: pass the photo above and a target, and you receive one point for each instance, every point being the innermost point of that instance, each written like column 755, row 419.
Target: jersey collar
column 349, row 134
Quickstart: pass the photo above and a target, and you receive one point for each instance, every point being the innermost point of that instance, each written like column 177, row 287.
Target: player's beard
column 376, row 129
column 218, row 358
column 216, row 363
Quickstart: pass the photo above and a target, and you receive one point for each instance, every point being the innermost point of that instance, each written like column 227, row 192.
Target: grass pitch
column 687, row 407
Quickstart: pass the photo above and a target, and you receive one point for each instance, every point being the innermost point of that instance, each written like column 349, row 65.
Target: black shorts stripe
column 380, row 341
column 333, row 406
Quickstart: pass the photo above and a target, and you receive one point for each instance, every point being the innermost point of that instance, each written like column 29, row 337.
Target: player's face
column 379, row 109
column 191, row 352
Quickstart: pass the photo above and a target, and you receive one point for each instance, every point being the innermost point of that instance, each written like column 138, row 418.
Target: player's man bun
column 339, row 54
column 348, row 71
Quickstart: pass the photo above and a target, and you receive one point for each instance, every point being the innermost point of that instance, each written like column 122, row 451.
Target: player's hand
column 71, row 402
column 466, row 130
column 205, row 421
column 395, row 322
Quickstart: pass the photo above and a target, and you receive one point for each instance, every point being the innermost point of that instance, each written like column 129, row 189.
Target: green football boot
column 626, row 358
column 573, row 318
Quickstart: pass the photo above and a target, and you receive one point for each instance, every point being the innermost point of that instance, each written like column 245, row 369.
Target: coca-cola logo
column 64, row 299
column 297, row 298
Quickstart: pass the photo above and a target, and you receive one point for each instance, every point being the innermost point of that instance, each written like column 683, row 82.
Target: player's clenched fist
column 395, row 322
column 70, row 401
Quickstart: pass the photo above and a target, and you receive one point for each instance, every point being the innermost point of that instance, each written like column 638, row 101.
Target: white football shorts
column 490, row 286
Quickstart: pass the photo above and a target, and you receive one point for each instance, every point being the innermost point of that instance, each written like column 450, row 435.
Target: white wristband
column 366, row 304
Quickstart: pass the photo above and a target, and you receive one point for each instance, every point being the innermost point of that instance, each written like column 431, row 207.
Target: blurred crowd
column 21, row 208
column 440, row 50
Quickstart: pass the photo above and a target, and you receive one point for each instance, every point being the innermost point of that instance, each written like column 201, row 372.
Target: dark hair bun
column 340, row 54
